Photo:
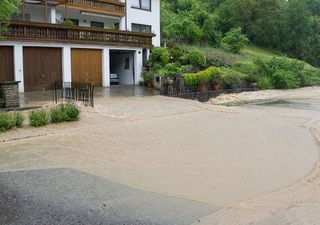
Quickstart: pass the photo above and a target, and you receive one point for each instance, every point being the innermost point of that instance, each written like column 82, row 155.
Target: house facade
column 79, row 41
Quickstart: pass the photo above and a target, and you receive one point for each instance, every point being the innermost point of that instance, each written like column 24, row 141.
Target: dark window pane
column 96, row 24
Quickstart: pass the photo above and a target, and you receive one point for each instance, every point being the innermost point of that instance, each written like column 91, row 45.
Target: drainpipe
column 126, row 20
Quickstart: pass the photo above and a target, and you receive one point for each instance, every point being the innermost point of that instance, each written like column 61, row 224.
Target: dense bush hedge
column 65, row 112
column 160, row 55
column 38, row 118
column 7, row 121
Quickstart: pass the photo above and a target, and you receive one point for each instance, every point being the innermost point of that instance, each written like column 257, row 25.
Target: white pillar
column 138, row 65
column 53, row 15
column 66, row 64
column 18, row 65
column 106, row 67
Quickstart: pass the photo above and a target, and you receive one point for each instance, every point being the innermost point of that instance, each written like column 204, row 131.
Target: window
column 140, row 28
column 96, row 24
column 74, row 21
column 127, row 63
column 141, row 4
column 117, row 26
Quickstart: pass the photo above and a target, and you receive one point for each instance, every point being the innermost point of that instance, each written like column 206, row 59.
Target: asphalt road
column 68, row 197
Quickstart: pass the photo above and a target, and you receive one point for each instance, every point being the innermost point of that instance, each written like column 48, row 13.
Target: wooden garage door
column 6, row 63
column 87, row 66
column 42, row 68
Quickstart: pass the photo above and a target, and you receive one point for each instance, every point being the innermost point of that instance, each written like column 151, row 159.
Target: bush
column 18, row 118
column 190, row 79
column 265, row 82
column 57, row 114
column 235, row 40
column 231, row 78
column 310, row 77
column 214, row 74
column 160, row 55
column 203, row 77
column 71, row 112
column 7, row 121
column 196, row 58
column 283, row 79
column 38, row 118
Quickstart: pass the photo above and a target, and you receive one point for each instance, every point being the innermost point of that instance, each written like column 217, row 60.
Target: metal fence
column 175, row 87
column 74, row 92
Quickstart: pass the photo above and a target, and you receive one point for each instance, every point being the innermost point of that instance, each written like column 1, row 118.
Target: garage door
column 87, row 66
column 42, row 68
column 6, row 63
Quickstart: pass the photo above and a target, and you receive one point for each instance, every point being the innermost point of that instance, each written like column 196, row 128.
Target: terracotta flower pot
column 202, row 87
column 215, row 87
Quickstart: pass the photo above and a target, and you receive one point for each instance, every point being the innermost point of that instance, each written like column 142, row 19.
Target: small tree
column 7, row 8
column 235, row 40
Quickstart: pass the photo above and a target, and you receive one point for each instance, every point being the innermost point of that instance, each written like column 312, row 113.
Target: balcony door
column 42, row 68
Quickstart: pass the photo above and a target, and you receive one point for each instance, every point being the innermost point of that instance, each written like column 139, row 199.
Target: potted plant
column 215, row 78
column 203, row 78
column 147, row 78
column 231, row 79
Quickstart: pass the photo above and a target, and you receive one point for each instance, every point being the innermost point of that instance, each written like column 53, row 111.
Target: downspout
column 126, row 20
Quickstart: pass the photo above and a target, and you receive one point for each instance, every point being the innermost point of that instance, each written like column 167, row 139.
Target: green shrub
column 160, row 55
column 203, row 77
column 57, row 114
column 18, row 118
column 176, row 53
column 231, row 78
column 196, row 58
column 190, row 79
column 235, row 40
column 71, row 112
column 7, row 121
column 214, row 74
column 283, row 79
column 38, row 118
column 310, row 77
column 264, row 82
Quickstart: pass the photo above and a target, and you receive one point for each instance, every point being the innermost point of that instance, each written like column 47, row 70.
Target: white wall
column 145, row 17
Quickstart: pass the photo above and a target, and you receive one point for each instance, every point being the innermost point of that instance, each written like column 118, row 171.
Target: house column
column 53, row 15
column 138, row 65
column 66, row 64
column 18, row 65
column 106, row 67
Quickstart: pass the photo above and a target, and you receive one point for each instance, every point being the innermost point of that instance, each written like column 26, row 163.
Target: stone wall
column 9, row 94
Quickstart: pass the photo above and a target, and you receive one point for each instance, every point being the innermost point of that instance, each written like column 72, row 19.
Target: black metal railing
column 74, row 92
column 173, row 86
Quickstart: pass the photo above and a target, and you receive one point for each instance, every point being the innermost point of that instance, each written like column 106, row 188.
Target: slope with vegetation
column 201, row 34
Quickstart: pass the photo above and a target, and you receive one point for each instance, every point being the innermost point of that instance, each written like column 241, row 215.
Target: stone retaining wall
column 9, row 94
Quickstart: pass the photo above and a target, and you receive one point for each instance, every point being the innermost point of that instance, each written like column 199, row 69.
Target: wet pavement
column 68, row 197
column 40, row 98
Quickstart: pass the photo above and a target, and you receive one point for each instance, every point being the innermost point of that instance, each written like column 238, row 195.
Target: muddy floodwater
column 255, row 163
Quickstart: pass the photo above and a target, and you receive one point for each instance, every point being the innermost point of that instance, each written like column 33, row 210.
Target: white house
column 79, row 41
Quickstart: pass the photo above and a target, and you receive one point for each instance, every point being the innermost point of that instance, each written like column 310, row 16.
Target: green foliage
column 147, row 77
column 231, row 78
column 18, row 117
column 65, row 112
column 203, row 77
column 7, row 7
column 284, row 79
column 160, row 55
column 234, row 40
column 70, row 112
column 310, row 77
column 265, row 82
column 248, row 68
column 214, row 74
column 196, row 58
column 38, row 118
column 190, row 79
column 7, row 121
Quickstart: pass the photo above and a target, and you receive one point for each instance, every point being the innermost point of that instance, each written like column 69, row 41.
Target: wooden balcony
column 107, row 7
column 39, row 32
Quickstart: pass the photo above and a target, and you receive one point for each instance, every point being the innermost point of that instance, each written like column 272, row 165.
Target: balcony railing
column 109, row 7
column 26, row 31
